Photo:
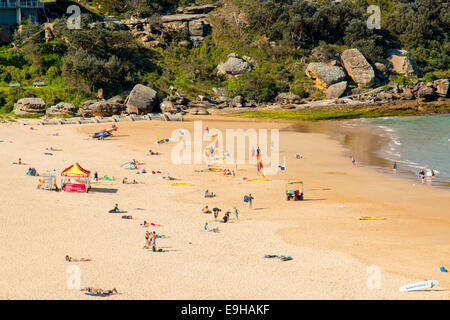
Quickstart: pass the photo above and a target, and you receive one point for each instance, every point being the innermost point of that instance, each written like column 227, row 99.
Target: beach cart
column 294, row 190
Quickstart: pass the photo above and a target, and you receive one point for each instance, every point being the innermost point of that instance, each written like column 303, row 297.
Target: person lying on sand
column 100, row 291
column 206, row 210
column 148, row 224
column 127, row 217
column 70, row 259
column 125, row 180
column 208, row 194
column 207, row 229
column 151, row 153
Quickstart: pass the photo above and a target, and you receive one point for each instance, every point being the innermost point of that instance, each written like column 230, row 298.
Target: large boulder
column 141, row 99
column 401, row 63
column 29, row 106
column 324, row 75
column 116, row 99
column 336, row 90
column 61, row 109
column 169, row 107
column 100, row 108
column 287, row 98
column 358, row 68
column 233, row 66
column 198, row 111
column 441, row 87
column 238, row 102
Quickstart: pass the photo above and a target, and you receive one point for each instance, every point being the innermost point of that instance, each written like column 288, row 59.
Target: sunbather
column 207, row 229
column 208, row 194
column 206, row 210
column 70, row 259
column 100, row 291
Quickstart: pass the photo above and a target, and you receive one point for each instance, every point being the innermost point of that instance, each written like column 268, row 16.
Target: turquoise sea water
column 419, row 142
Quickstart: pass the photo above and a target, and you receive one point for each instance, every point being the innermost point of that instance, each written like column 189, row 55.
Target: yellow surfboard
column 371, row 218
column 181, row 184
column 257, row 179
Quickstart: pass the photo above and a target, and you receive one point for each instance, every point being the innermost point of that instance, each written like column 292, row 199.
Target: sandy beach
column 330, row 247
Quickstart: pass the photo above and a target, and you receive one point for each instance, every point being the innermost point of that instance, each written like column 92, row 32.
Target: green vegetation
column 281, row 36
column 340, row 114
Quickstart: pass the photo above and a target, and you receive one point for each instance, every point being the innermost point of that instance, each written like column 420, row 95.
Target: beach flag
column 213, row 149
column 259, row 161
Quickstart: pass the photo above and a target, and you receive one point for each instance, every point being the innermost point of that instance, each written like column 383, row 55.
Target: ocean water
column 418, row 142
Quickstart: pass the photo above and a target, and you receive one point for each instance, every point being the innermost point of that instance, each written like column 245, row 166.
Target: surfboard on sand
column 181, row 184
column 419, row 285
column 371, row 218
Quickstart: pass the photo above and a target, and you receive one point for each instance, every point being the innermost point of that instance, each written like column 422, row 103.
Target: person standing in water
column 394, row 168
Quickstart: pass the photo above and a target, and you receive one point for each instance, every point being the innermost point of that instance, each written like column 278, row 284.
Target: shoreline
column 365, row 142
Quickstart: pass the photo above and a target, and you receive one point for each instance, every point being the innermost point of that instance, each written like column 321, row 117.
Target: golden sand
column 331, row 248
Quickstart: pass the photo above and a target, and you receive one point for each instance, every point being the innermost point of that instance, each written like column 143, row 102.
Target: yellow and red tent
column 75, row 171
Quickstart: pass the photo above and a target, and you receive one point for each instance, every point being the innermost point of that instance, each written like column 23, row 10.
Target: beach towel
column 94, row 294
column 282, row 258
column 181, row 184
column 371, row 218
column 443, row 269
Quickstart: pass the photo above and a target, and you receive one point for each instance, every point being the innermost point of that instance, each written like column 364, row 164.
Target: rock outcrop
column 357, row 67
column 29, row 106
column 61, row 109
column 234, row 66
column 441, row 87
column 324, row 75
column 336, row 90
column 287, row 98
column 142, row 99
column 401, row 63
column 93, row 108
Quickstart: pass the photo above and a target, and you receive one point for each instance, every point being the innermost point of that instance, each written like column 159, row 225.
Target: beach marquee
column 75, row 179
column 75, row 171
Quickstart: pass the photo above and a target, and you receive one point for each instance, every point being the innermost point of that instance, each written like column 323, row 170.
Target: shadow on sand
column 103, row 190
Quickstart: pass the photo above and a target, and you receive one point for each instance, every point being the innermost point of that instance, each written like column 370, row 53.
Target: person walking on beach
column 249, row 200
column 236, row 212
column 353, row 161
column 96, row 176
column 394, row 168
column 147, row 240
column 153, row 241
